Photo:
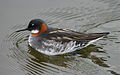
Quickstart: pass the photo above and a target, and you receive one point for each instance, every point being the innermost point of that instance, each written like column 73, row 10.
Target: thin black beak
column 22, row 30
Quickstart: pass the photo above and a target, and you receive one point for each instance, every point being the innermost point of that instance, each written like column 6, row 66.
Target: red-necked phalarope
column 54, row 41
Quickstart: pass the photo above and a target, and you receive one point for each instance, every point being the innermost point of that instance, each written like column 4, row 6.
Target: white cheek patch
column 35, row 31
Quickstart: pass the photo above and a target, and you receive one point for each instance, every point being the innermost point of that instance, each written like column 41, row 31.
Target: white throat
column 35, row 31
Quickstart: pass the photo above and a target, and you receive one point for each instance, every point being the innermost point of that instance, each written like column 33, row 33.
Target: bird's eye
column 33, row 24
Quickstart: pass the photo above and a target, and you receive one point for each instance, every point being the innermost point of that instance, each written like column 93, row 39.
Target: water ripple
column 82, row 62
column 33, row 62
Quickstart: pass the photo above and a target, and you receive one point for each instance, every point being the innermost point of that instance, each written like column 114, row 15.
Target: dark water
column 101, row 58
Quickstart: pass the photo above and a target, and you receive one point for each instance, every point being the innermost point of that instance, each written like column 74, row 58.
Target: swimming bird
column 55, row 41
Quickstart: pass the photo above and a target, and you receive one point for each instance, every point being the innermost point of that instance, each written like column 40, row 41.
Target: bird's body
column 54, row 41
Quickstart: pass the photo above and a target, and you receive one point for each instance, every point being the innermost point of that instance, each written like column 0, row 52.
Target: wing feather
column 68, row 35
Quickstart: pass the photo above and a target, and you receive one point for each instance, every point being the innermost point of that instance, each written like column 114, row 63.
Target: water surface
column 101, row 58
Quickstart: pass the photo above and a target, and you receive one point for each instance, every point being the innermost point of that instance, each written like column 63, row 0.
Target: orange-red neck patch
column 43, row 29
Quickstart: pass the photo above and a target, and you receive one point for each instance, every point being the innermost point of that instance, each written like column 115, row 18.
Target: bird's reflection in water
column 77, row 61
